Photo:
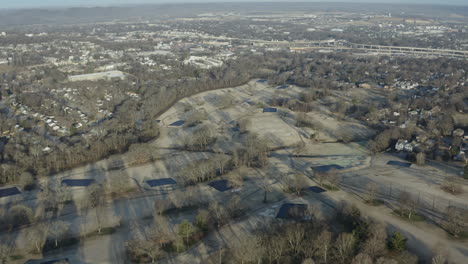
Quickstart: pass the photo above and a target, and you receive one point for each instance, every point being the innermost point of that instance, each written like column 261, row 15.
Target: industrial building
column 108, row 75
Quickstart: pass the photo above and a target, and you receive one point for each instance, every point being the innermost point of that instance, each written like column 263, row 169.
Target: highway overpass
column 368, row 48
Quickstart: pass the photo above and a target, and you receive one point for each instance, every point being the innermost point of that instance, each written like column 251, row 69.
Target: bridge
column 341, row 45
column 412, row 50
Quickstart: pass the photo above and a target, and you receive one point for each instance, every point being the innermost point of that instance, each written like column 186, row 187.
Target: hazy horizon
column 88, row 3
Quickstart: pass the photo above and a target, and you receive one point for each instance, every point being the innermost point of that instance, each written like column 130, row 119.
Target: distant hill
column 102, row 14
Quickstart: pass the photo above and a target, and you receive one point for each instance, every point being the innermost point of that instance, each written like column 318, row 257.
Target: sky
column 68, row 3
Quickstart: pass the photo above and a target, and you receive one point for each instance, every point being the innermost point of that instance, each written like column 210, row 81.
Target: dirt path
column 423, row 238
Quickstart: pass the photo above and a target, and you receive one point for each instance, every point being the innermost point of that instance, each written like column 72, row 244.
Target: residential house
column 400, row 145
column 404, row 145
column 410, row 147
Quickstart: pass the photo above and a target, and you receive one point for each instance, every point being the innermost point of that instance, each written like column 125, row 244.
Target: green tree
column 185, row 230
column 201, row 220
column 73, row 130
column 397, row 242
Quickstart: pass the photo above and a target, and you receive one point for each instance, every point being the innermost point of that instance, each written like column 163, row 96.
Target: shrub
column 397, row 242
column 21, row 215
column 452, row 185
column 201, row 220
column 27, row 180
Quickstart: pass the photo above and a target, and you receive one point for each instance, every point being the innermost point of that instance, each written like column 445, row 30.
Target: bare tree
column 407, row 204
column 376, row 243
column 383, row 260
column 344, row 247
column 276, row 247
column 406, row 257
column 219, row 257
column 235, row 178
column 62, row 195
column 247, row 250
column 452, row 185
column 141, row 154
column 323, row 243
column 308, row 261
column 47, row 197
column 456, row 221
column 256, row 151
column 265, row 183
column 141, row 248
column 235, row 207
column 5, row 251
column 161, row 230
column 27, row 180
column 221, row 162
column 178, row 199
column 119, row 183
column 197, row 117
column 299, row 182
column 320, row 177
column 330, row 176
column 372, row 190
column 37, row 237
column 303, row 120
column 57, row 230
column 201, row 138
column 295, row 236
column 293, row 183
column 362, row 258
column 218, row 213
column 439, row 258
column 421, row 158
column 95, row 199
column 54, row 196
column 315, row 213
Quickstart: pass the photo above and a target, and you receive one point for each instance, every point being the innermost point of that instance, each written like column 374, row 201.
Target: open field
column 223, row 111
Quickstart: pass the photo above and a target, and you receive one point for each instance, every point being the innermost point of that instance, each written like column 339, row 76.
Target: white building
column 109, row 75
column 400, row 145
column 203, row 62
column 410, row 146
column 405, row 145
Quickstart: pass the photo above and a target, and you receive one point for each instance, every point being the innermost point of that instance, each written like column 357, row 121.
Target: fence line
column 433, row 207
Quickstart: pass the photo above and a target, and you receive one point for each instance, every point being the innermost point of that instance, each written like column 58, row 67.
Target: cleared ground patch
column 9, row 192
